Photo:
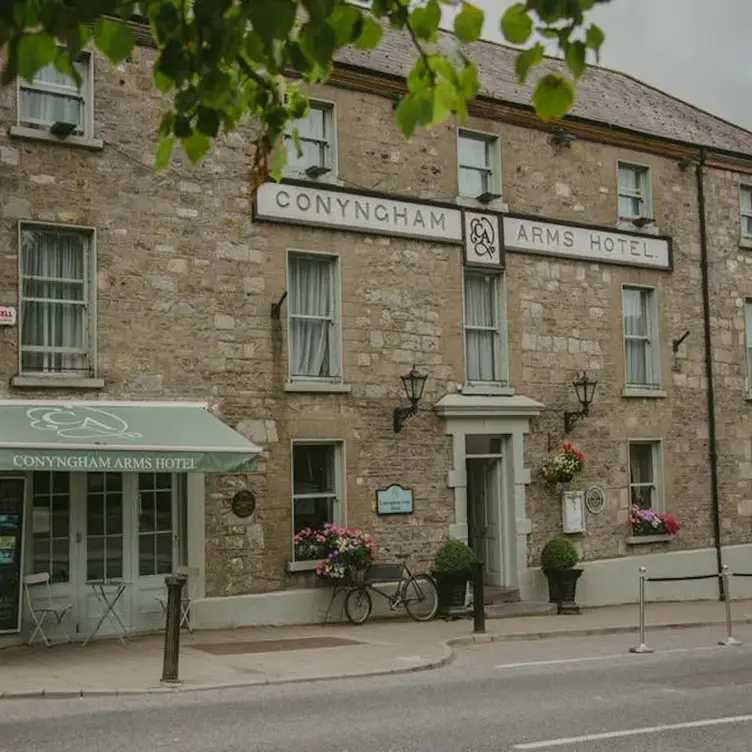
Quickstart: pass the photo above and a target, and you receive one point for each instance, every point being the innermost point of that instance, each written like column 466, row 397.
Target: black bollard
column 479, row 607
column 175, row 583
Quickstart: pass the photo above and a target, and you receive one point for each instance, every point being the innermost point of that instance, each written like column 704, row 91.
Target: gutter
column 712, row 435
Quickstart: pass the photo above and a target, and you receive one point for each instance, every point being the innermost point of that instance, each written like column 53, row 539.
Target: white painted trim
column 196, row 528
column 495, row 159
column 332, row 177
column 98, row 403
column 633, row 393
column 36, row 134
column 644, row 540
column 318, row 387
column 56, row 381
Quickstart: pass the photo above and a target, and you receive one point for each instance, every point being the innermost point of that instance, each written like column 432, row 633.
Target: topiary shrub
column 559, row 553
column 454, row 556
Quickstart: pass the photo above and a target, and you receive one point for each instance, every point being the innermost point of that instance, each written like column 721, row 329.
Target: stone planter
column 562, row 589
column 451, row 588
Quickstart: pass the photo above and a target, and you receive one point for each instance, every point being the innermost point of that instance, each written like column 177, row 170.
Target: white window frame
column 90, row 302
column 86, row 95
column 335, row 329
column 340, row 487
column 745, row 215
column 501, row 346
column 656, row 458
column 494, row 160
column 748, row 335
column 330, row 121
column 653, row 338
column 644, row 194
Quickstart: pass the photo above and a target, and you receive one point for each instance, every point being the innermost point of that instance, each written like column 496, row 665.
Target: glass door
column 158, row 545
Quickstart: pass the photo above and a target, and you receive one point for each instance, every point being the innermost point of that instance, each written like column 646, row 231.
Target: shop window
column 57, row 321
column 478, row 165
column 645, row 474
column 50, row 525
column 314, row 318
column 316, row 136
column 634, row 192
column 156, row 526
column 641, row 350
column 104, row 526
column 318, row 484
column 485, row 329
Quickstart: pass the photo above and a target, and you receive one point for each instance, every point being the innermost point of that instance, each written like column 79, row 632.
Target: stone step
column 523, row 608
column 492, row 594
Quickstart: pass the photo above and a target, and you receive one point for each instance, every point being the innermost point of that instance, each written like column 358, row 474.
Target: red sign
column 7, row 316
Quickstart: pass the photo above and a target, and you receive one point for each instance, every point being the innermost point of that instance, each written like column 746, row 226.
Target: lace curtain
column 480, row 328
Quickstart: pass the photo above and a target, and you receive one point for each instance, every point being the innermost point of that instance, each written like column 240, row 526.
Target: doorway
column 88, row 527
column 484, row 468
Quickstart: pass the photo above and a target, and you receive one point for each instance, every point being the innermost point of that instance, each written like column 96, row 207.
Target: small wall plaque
column 243, row 504
column 595, row 499
column 7, row 316
column 573, row 512
column 394, row 499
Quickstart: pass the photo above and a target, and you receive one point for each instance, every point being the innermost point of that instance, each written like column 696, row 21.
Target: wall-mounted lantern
column 584, row 387
column 414, row 384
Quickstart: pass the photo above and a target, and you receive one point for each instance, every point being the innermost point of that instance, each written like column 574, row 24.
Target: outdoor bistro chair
column 189, row 590
column 44, row 607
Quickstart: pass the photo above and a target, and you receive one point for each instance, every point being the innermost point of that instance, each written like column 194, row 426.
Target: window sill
column 324, row 180
column 317, row 387
column 302, row 566
column 629, row 226
column 486, row 390
column 55, row 382
column 497, row 205
column 640, row 540
column 633, row 392
column 36, row 134
column 745, row 243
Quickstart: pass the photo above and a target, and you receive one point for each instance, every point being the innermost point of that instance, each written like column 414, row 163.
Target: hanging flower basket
column 342, row 554
column 560, row 469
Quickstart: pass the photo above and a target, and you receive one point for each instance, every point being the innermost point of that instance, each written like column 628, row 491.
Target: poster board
column 12, row 495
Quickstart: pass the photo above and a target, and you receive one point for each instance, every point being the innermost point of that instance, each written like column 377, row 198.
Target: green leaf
column 371, row 34
column 575, row 58
column 414, row 109
column 318, row 42
column 208, row 121
column 467, row 81
column 113, row 39
column 346, row 22
column 35, row 51
column 594, row 38
column 162, row 82
column 196, row 145
column 277, row 163
column 468, row 23
column 443, row 101
column 528, row 59
column 424, row 21
column 516, row 24
column 553, row 97
column 164, row 152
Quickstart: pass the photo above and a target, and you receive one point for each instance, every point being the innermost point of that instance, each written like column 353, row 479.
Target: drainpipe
column 712, row 437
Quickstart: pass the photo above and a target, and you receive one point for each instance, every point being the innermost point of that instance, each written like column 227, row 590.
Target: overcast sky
column 697, row 50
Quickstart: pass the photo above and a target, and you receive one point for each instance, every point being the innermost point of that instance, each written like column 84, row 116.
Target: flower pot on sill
column 562, row 589
column 451, row 588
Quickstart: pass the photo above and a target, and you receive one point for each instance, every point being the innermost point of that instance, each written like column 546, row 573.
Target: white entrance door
column 155, row 547
column 484, row 507
column 89, row 527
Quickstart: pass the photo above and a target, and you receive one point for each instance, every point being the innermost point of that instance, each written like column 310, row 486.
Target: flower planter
column 451, row 588
column 562, row 589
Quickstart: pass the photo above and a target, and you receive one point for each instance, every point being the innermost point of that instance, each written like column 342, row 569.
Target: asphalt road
column 566, row 694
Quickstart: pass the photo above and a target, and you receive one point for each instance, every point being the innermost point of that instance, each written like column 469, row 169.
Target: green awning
column 120, row 437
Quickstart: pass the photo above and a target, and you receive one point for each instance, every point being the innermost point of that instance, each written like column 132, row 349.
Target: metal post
column 730, row 639
column 175, row 583
column 642, row 647
column 479, row 607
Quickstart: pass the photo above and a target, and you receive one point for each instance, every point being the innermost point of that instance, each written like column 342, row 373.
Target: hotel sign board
column 304, row 205
column 585, row 243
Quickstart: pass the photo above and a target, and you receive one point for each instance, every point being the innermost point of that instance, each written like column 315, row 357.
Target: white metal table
column 109, row 599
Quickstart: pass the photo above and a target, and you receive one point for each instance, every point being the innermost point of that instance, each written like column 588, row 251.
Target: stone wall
column 185, row 281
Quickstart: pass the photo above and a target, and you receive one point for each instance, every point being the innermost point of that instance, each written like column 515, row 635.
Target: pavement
column 287, row 655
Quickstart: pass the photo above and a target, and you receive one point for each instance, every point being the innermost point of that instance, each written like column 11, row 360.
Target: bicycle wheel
column 358, row 605
column 420, row 598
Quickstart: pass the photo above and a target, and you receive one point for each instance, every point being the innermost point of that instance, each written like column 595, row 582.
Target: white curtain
column 311, row 318
column 480, row 328
column 474, row 166
column 56, row 99
column 637, row 346
column 630, row 189
column 53, row 267
column 312, row 131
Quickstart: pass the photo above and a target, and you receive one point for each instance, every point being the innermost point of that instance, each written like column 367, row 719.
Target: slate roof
column 604, row 96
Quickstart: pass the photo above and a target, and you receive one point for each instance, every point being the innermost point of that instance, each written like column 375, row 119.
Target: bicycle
column 412, row 591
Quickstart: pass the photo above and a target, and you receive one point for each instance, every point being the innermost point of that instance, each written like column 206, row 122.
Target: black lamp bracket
column 401, row 414
column 277, row 307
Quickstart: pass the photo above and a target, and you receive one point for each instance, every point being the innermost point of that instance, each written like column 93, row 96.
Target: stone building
column 189, row 375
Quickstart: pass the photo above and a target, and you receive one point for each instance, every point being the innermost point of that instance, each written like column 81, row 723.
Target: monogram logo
column 483, row 237
column 80, row 423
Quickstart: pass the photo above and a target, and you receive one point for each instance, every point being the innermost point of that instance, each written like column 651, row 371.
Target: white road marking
column 564, row 741
column 560, row 661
